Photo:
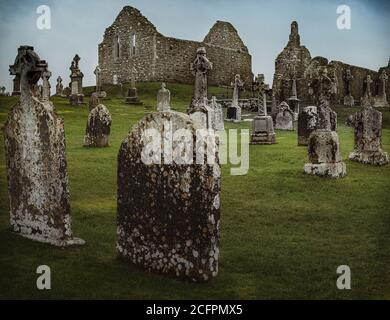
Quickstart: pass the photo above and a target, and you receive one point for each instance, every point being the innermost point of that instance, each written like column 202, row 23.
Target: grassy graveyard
column 283, row 233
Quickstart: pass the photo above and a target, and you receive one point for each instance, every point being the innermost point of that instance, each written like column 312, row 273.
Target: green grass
column 283, row 233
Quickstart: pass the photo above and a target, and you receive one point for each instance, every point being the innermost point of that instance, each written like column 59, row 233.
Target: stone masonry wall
column 160, row 58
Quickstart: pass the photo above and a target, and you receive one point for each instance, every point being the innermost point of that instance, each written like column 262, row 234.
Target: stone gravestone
column 163, row 99
column 94, row 101
column 132, row 94
column 234, row 110
column 98, row 89
column 67, row 92
column 307, row 123
column 217, row 119
column 284, row 118
column 324, row 155
column 368, row 137
column 348, row 98
column 36, row 161
column 59, row 87
column 168, row 208
column 76, row 82
column 381, row 98
column 199, row 110
column 97, row 134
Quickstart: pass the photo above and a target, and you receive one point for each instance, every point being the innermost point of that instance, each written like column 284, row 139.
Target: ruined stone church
column 132, row 46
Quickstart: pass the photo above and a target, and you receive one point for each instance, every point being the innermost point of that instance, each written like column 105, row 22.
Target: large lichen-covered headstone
column 168, row 208
column 284, row 118
column 36, row 161
column 324, row 155
column 97, row 134
column 368, row 137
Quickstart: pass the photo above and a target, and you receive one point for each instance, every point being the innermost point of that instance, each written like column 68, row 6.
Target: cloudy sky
column 78, row 27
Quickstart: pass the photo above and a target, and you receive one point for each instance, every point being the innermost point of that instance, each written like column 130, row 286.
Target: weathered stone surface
column 381, row 98
column 327, row 118
column 16, row 88
column 217, row 119
column 263, row 130
column 132, row 93
column 94, row 101
column 133, row 41
column 324, row 155
column 169, row 213
column 368, row 137
column 234, row 110
column 36, row 161
column 59, row 87
column 163, row 99
column 76, row 82
column 307, row 123
column 348, row 98
column 97, row 134
column 284, row 118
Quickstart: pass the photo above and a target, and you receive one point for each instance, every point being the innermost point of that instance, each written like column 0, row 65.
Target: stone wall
column 308, row 69
column 159, row 58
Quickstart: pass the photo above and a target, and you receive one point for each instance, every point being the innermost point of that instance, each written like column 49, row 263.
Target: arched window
column 117, row 47
column 133, row 45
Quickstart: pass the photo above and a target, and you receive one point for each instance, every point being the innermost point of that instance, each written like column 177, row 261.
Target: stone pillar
column 36, row 162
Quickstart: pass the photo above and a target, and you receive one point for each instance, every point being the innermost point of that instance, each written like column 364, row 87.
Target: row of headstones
column 168, row 214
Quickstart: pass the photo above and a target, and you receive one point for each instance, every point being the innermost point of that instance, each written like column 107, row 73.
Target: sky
column 77, row 26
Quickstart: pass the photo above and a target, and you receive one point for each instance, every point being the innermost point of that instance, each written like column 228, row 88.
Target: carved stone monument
column 76, row 82
column 59, row 87
column 163, row 99
column 368, row 137
column 217, row 120
column 132, row 93
column 94, row 101
column 168, row 208
column 97, row 134
column 98, row 89
column 36, row 161
column 307, row 123
column 284, row 118
column 381, row 98
column 348, row 98
column 234, row 110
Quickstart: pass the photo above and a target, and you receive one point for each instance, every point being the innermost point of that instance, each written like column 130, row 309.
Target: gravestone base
column 263, row 131
column 378, row 158
column 380, row 102
column 76, row 99
column 328, row 170
column 132, row 97
column 55, row 242
column 349, row 101
column 233, row 114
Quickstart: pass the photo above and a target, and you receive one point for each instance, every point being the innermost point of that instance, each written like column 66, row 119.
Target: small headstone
column 348, row 98
column 168, row 212
column 284, row 118
column 59, row 87
column 349, row 122
column 368, row 137
column 307, row 123
column 381, row 98
column 234, row 110
column 132, row 94
column 163, row 99
column 94, row 101
column 36, row 161
column 324, row 155
column 97, row 134
column 263, row 130
column 67, row 92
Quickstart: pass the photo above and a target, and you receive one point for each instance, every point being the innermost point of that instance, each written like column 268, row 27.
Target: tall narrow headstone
column 168, row 203
column 381, row 98
column 348, row 98
column 132, row 93
column 217, row 120
column 234, row 110
column 36, row 162
column 59, row 87
column 307, row 123
column 76, row 82
column 163, row 99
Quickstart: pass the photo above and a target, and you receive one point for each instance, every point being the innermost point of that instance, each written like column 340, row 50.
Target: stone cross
column 368, row 81
column 325, row 88
column 238, row 85
column 163, row 99
column 348, row 77
column 383, row 77
column 97, row 75
column 46, row 85
column 200, row 67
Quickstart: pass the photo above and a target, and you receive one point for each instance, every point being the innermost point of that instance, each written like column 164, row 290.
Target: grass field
column 283, row 234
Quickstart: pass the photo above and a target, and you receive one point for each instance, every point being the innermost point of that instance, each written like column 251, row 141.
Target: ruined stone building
column 295, row 61
column 133, row 44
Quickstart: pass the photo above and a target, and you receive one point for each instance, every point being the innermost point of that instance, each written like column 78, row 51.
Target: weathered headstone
column 94, row 101
column 381, row 98
column 327, row 118
column 76, row 82
column 368, row 137
column 36, row 161
column 163, row 99
column 168, row 211
column 59, row 87
column 97, row 134
column 199, row 110
column 234, row 110
column 67, row 92
column 307, row 123
column 348, row 98
column 324, row 155
column 132, row 93
column 97, row 72
column 217, row 120
column 284, row 118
